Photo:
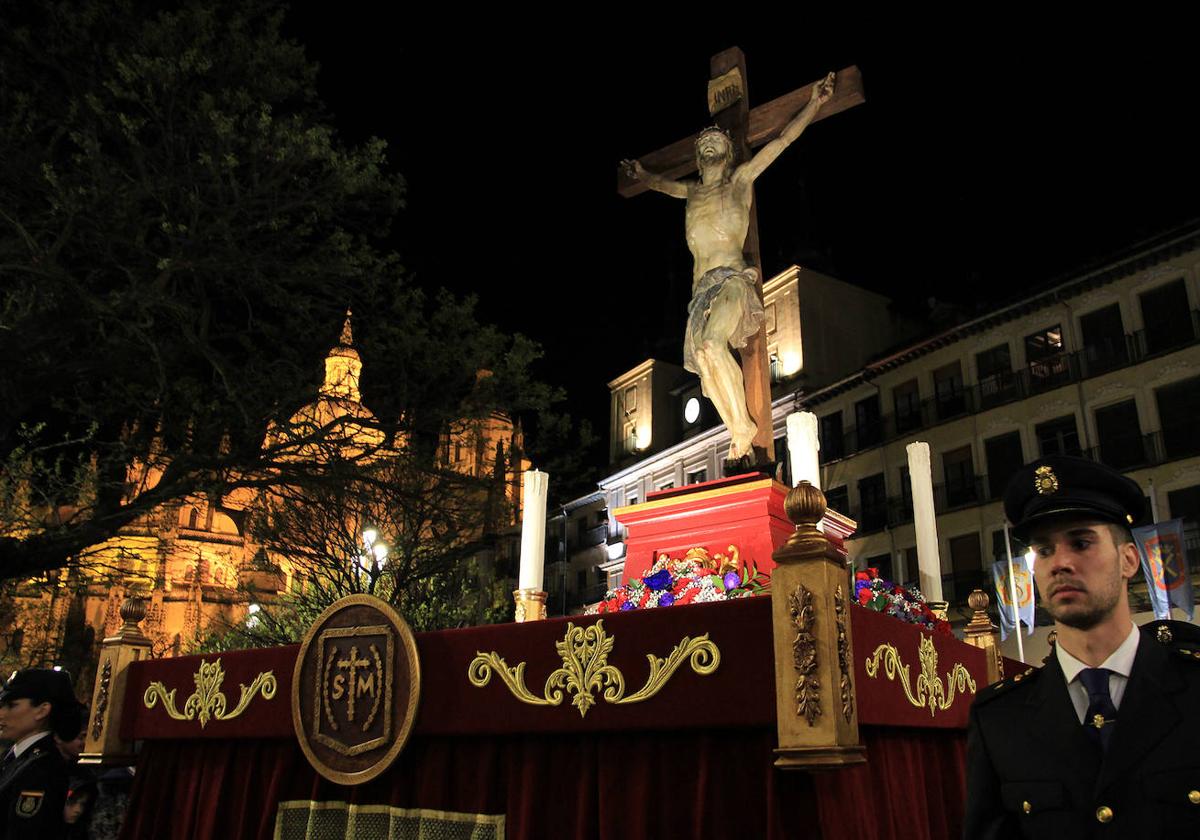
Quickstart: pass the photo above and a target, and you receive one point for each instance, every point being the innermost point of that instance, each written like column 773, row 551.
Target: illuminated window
column 631, row 399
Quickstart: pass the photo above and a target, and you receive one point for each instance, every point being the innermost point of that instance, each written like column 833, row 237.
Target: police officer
column 35, row 705
column 1103, row 740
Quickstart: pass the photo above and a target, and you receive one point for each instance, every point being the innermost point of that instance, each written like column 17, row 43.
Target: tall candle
column 533, row 529
column 803, row 448
column 929, row 563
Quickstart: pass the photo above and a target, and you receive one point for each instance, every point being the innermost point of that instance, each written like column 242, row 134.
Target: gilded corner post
column 983, row 634
column 816, row 708
column 103, row 744
column 530, row 603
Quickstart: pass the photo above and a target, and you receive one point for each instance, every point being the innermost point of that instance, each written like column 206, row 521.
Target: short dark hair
column 1120, row 533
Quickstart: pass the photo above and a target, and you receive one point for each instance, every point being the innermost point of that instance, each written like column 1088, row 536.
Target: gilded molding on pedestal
column 804, row 654
column 930, row 692
column 585, row 669
column 207, row 702
column 102, row 699
column 843, row 643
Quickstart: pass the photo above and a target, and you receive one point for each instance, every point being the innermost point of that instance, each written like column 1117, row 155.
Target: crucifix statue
column 726, row 309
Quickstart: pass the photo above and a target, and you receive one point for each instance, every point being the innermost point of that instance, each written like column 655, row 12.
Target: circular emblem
column 1045, row 481
column 355, row 689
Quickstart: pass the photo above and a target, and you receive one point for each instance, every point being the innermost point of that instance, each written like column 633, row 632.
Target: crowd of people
column 45, row 793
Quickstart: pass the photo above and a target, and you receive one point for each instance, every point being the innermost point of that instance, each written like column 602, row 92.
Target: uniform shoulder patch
column 1007, row 685
column 29, row 802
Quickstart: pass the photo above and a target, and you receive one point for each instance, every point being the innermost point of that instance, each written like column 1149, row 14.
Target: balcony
column 1036, row 378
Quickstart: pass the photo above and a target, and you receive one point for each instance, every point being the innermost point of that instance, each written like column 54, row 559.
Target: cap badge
column 1164, row 634
column 1045, row 481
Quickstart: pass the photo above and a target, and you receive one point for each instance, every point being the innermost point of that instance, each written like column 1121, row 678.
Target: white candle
column 533, row 529
column 803, row 448
column 929, row 563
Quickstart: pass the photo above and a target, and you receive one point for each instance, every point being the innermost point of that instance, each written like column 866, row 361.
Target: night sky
column 971, row 173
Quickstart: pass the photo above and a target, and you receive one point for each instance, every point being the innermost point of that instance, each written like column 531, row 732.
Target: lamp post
column 373, row 557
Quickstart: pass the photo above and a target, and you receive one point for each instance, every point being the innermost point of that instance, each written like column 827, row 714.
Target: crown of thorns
column 714, row 129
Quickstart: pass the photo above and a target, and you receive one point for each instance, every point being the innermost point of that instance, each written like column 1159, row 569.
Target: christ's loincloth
column 706, row 291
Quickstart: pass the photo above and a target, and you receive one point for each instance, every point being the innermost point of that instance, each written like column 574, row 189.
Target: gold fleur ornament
column 1045, row 481
column 208, row 702
column 585, row 669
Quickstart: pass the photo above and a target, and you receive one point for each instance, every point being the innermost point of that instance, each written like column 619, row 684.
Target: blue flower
column 731, row 580
column 629, row 605
column 659, row 580
column 666, row 599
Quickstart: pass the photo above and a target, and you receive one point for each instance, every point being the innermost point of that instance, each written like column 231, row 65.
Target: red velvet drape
column 623, row 786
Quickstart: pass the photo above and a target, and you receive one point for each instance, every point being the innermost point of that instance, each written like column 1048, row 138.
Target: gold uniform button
column 1104, row 814
column 1026, row 807
column 1194, row 797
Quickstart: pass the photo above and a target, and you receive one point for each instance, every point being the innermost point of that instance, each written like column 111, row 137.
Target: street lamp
column 375, row 553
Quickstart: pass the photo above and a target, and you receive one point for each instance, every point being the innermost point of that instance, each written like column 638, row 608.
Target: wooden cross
column 749, row 128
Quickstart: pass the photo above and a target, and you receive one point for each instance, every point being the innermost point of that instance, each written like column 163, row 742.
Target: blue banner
column 1164, row 562
column 1024, row 609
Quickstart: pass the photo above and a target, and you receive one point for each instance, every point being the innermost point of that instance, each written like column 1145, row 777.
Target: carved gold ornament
column 1045, row 481
column 930, row 692
column 207, row 702
column 804, row 654
column 102, row 700
column 585, row 669
column 843, row 643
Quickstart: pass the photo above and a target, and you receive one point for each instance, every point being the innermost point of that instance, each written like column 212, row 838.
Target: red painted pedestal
column 745, row 511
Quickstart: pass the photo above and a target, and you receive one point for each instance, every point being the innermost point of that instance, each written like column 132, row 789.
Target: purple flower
column 666, row 599
column 659, row 580
column 731, row 580
column 629, row 605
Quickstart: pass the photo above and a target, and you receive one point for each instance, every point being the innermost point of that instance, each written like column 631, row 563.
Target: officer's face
column 20, row 717
column 1081, row 571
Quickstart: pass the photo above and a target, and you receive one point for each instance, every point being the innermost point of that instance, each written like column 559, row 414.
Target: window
column 909, row 572
column 1120, row 435
column 631, row 399
column 1059, row 436
column 872, row 498
column 966, row 568
column 867, row 421
column 1185, row 504
column 1103, row 337
column 581, row 580
column 776, row 369
column 996, row 381
column 832, row 441
column 1004, row 457
column 697, row 476
column 838, row 499
column 907, row 399
column 882, row 562
column 770, row 318
column 960, row 477
column 1048, row 367
column 630, row 437
column 905, row 511
column 1166, row 317
column 948, row 391
column 1178, row 408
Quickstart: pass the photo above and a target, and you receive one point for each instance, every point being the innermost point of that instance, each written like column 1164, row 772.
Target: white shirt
column 26, row 742
column 1120, row 663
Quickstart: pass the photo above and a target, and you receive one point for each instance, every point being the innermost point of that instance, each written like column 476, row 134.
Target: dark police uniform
column 33, row 790
column 1032, row 770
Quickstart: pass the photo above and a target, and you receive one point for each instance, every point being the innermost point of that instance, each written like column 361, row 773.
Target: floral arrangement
column 696, row 579
column 875, row 593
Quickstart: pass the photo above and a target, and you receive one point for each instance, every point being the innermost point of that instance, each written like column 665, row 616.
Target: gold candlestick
column 531, row 604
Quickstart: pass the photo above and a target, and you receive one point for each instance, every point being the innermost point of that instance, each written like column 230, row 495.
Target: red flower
column 687, row 597
column 865, row 595
column 645, row 597
column 861, row 576
column 872, row 572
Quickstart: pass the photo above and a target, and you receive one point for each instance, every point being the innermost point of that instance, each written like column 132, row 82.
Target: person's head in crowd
column 39, row 700
column 81, row 795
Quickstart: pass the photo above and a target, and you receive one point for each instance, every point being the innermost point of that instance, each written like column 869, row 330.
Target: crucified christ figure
column 725, row 309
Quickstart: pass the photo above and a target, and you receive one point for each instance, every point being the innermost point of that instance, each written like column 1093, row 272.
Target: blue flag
column 1169, row 583
column 1024, row 581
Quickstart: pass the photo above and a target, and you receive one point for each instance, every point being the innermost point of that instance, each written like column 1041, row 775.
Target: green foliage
column 181, row 231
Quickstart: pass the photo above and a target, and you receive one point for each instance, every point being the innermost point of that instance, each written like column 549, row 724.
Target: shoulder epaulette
column 1181, row 638
column 1007, row 685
